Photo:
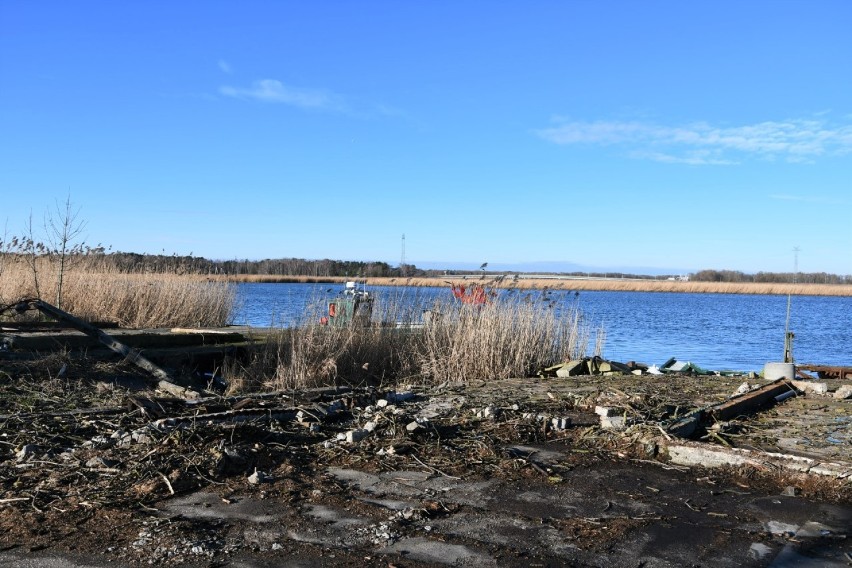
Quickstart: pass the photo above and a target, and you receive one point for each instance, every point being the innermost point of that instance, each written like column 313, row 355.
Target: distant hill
column 548, row 266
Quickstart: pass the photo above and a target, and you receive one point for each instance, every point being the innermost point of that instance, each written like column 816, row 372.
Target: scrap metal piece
column 754, row 400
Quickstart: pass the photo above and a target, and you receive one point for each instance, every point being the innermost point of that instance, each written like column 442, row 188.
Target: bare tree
column 5, row 247
column 63, row 228
column 31, row 249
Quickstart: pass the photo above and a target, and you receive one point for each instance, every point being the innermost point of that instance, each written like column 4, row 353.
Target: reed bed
column 130, row 300
column 456, row 343
column 570, row 283
column 630, row 285
column 507, row 338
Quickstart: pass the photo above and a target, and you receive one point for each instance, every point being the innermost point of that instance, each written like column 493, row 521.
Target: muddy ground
column 96, row 469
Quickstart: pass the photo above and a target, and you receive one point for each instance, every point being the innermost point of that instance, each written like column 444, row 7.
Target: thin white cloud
column 225, row 66
column 806, row 199
column 696, row 158
column 798, row 140
column 272, row 91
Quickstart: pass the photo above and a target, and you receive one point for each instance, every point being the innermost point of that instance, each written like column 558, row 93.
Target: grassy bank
column 612, row 285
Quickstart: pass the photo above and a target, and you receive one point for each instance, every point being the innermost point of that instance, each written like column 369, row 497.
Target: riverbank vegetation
column 457, row 343
column 134, row 300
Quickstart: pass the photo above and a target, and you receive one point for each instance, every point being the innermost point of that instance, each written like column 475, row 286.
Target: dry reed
column 131, row 300
column 458, row 343
column 504, row 339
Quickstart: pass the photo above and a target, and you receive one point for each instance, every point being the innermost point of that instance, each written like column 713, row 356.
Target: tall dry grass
column 96, row 293
column 507, row 338
column 457, row 343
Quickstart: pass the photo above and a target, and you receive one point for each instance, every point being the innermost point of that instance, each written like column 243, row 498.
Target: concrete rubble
column 603, row 469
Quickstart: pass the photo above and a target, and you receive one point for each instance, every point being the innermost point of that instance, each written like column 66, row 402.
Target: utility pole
column 796, row 264
column 402, row 258
column 788, row 335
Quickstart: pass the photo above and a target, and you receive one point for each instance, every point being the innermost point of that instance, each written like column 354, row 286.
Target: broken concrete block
column 843, row 392
column 828, row 470
column 560, row 423
column 704, row 456
column 413, row 426
column 813, row 387
column 141, row 436
column 686, row 426
column 355, row 436
column 100, row 463
column 742, row 389
column 370, row 426
column 813, row 529
column 25, row 452
column 488, row 412
column 381, row 403
column 607, row 411
column 781, row 528
column 613, row 422
column 259, row 477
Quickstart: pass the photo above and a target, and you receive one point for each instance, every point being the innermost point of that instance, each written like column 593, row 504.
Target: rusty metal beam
column 827, row 371
column 752, row 401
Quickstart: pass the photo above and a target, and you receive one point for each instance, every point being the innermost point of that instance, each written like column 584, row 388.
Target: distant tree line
column 158, row 263
column 771, row 277
column 25, row 250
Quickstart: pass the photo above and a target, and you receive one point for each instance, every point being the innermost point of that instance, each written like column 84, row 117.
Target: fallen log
column 166, row 383
column 281, row 414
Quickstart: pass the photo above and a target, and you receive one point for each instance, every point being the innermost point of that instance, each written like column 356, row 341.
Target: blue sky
column 645, row 134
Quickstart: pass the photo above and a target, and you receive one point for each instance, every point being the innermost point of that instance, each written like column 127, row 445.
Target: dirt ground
column 97, row 469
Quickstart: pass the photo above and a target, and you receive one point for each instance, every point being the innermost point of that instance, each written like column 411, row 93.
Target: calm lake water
column 715, row 331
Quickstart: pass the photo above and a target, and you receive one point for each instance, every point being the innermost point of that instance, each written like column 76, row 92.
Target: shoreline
column 570, row 284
